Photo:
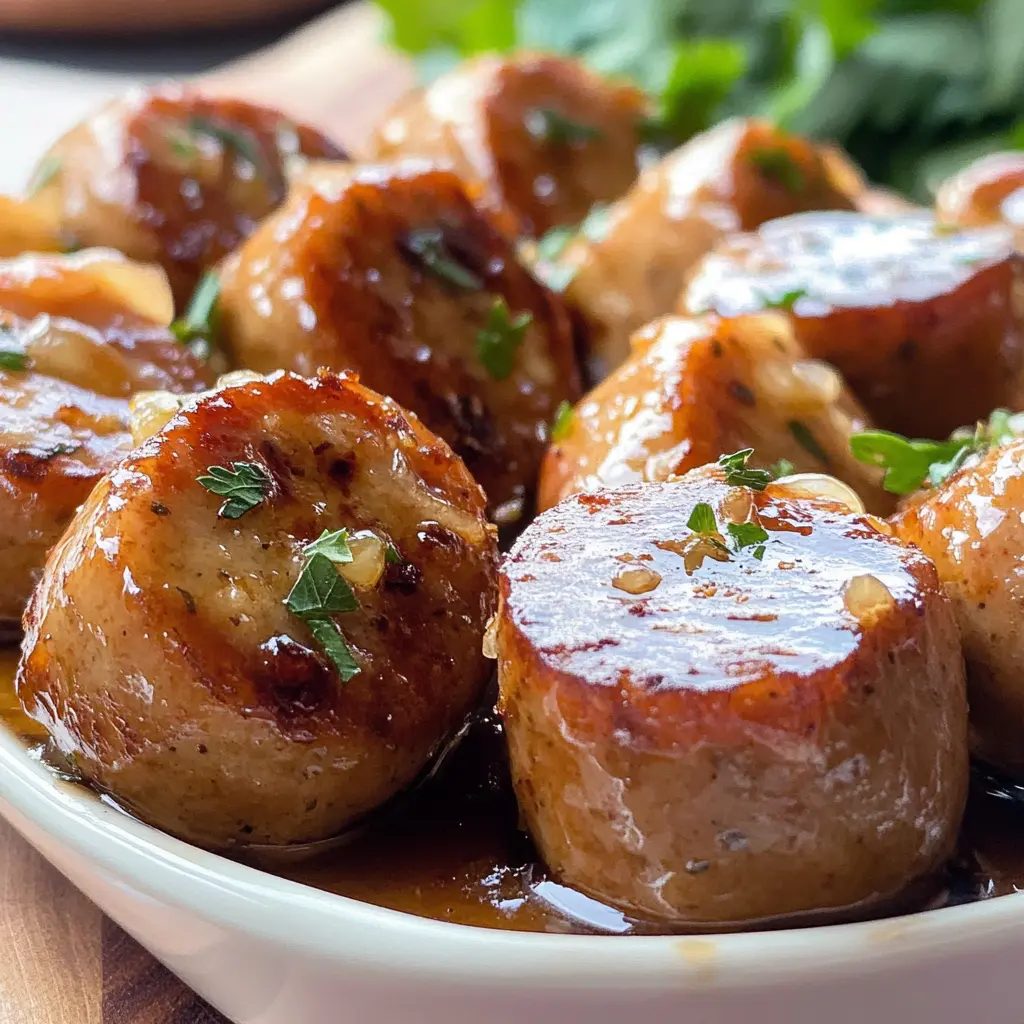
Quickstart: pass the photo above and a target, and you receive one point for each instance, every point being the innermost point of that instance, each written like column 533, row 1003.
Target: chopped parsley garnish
column 11, row 359
column 429, row 247
column 778, row 166
column 746, row 535
column 786, row 301
column 198, row 327
column 47, row 169
column 597, row 222
column 737, row 474
column 759, row 552
column 910, row 463
column 245, row 485
column 320, row 592
column 551, row 126
column 561, row 427
column 552, row 244
column 808, row 441
column 332, row 545
column 702, row 519
column 392, row 555
column 782, row 468
column 237, row 140
column 498, row 342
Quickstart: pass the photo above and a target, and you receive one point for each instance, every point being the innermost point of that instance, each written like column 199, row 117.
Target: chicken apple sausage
column 268, row 617
column 392, row 273
column 170, row 176
column 971, row 527
column 924, row 323
column 629, row 266
column 78, row 336
column 753, row 705
column 694, row 388
column 541, row 137
column 989, row 191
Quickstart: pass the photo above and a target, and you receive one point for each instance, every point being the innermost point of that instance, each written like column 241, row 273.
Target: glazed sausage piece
column 711, row 734
column 924, row 323
column 169, row 176
column 78, row 336
column 695, row 388
column 630, row 268
column 541, row 137
column 197, row 659
column 971, row 527
column 392, row 273
column 989, row 191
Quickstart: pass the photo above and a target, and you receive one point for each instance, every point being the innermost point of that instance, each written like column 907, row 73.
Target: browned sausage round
column 229, row 685
column 631, row 267
column 392, row 273
column 698, row 388
column 925, row 323
column 989, row 191
column 541, row 137
column 173, row 177
column 709, row 734
column 971, row 527
column 78, row 336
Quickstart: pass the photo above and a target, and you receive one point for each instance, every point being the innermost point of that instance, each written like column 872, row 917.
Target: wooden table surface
column 61, row 960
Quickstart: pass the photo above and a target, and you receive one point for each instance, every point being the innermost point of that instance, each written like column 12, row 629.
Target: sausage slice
column 629, row 267
column 724, row 728
column 170, row 176
column 988, row 191
column 694, row 388
column 924, row 322
column 195, row 658
column 542, row 138
column 392, row 272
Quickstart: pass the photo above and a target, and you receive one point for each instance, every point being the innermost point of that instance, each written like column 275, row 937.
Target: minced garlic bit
column 490, row 644
column 816, row 485
column 636, row 581
column 368, row 560
column 866, row 598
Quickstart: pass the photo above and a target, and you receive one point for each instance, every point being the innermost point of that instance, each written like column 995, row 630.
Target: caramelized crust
column 972, row 528
column 924, row 323
column 712, row 743
column 333, row 280
column 170, row 176
column 695, row 389
column 732, row 178
column 541, row 137
column 160, row 654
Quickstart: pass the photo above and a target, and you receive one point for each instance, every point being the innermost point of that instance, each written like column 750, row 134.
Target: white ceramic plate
column 268, row 951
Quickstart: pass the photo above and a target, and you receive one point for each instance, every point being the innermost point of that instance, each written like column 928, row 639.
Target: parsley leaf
column 561, row 428
column 702, row 519
column 553, row 243
column 335, row 647
column 46, row 170
column 777, row 165
column 782, row 468
column 738, row 475
column 429, row 247
column 198, row 327
column 392, row 556
column 498, row 342
column 555, row 128
column 808, row 441
column 245, row 485
column 332, row 545
column 786, row 301
column 11, row 359
column 746, row 535
column 320, row 591
column 237, row 140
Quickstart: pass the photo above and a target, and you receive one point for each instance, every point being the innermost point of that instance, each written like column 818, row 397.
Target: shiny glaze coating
column 732, row 178
column 328, row 281
column 988, row 191
column 696, row 388
column 486, row 121
column 160, row 655
column 174, row 177
column 63, row 419
column 739, row 742
column 971, row 527
column 925, row 323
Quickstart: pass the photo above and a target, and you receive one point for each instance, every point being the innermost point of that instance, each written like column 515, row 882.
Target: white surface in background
column 39, row 102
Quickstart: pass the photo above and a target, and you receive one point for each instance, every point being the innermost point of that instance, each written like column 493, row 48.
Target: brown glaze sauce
column 453, row 850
